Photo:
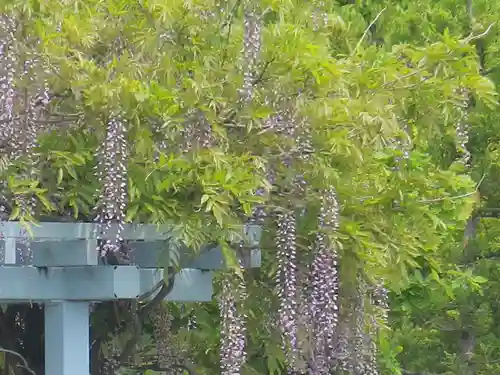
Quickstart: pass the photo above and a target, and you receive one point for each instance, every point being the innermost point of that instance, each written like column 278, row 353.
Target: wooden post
column 10, row 251
column 67, row 338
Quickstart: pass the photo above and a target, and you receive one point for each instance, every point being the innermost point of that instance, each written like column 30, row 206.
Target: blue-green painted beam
column 64, row 253
column 72, row 231
column 189, row 284
column 214, row 259
column 145, row 254
column 10, row 256
column 96, row 283
column 67, row 338
column 74, row 244
column 150, row 254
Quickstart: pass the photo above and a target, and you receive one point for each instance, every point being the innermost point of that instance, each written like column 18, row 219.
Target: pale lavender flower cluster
column 8, row 64
column 197, row 132
column 462, row 127
column 8, row 61
column 304, row 143
column 380, row 303
column 163, row 337
column 371, row 362
column 358, row 362
column 112, row 173
column 287, row 124
column 233, row 323
column 380, row 299
column 324, row 300
column 372, row 349
column 360, row 356
column 21, row 130
column 259, row 212
column 343, row 345
column 19, row 113
column 251, row 51
column 233, row 340
column 282, row 123
column 319, row 16
column 287, row 284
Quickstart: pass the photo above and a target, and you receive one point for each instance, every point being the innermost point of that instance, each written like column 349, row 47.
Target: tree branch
column 406, row 372
column 24, row 364
column 142, row 314
column 476, row 189
column 472, row 37
column 260, row 77
column 366, row 31
column 189, row 368
column 229, row 23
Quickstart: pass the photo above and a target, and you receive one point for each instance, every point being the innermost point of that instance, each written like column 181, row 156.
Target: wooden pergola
column 66, row 274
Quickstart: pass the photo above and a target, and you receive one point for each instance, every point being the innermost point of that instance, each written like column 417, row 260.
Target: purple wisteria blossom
column 112, row 174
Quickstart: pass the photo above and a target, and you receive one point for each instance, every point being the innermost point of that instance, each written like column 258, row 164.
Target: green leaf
column 60, row 176
column 231, row 258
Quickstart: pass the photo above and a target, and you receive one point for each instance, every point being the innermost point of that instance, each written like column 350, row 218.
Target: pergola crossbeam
column 189, row 284
column 98, row 283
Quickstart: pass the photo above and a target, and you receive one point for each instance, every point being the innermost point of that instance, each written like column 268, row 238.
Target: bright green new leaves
column 357, row 90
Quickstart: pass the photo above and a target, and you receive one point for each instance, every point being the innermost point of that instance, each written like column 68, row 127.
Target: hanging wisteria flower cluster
column 360, row 329
column 286, row 124
column 296, row 133
column 26, row 141
column 22, row 127
column 20, row 112
column 251, row 51
column 380, row 306
column 287, row 282
column 232, row 349
column 233, row 339
column 319, row 16
column 324, row 301
column 359, row 347
column 8, row 63
column 380, row 299
column 371, row 365
column 112, row 174
column 402, row 144
column 163, row 337
column 462, row 127
column 197, row 132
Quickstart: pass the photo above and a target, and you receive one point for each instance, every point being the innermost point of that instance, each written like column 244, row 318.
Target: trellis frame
column 66, row 275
